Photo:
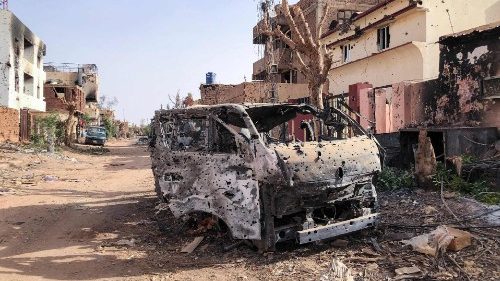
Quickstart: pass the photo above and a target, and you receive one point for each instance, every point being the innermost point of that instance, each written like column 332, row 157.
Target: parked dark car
column 96, row 136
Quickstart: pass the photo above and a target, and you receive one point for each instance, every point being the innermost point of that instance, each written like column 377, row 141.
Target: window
column 29, row 50
column 346, row 53
column 29, row 85
column 185, row 134
column 289, row 76
column 344, row 16
column 383, row 38
column 191, row 135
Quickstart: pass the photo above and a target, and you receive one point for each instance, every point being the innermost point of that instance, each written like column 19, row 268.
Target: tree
column 70, row 123
column 179, row 101
column 188, row 100
column 107, row 103
column 314, row 59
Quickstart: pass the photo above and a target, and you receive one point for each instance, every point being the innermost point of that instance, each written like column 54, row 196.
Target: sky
column 147, row 50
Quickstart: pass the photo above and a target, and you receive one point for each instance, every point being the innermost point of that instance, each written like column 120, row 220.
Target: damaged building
column 383, row 43
column 21, row 76
column 285, row 83
column 80, row 79
column 279, row 58
column 406, row 64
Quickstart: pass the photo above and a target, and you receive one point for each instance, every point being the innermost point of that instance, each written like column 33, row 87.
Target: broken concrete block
column 407, row 270
column 429, row 210
column 189, row 248
column 405, row 273
column 461, row 239
column 338, row 271
column 441, row 239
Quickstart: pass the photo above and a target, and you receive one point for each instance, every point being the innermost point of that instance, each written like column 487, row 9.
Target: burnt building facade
column 469, row 78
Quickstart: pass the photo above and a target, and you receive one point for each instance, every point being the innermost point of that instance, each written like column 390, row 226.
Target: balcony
column 258, row 37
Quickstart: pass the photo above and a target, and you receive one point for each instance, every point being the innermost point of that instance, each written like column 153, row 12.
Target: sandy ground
column 71, row 217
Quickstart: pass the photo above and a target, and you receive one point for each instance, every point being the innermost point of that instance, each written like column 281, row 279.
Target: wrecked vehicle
column 241, row 164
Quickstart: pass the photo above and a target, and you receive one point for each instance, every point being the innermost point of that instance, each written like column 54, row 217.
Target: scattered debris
column 429, row 210
column 125, row 242
column 189, row 248
column 204, row 225
column 472, row 269
column 50, row 178
column 441, row 239
column 337, row 272
column 408, row 273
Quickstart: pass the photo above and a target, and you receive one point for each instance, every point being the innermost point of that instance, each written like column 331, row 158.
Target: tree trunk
column 316, row 92
column 51, row 140
column 68, row 127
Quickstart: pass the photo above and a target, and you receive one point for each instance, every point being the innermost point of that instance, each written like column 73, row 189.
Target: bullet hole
column 340, row 173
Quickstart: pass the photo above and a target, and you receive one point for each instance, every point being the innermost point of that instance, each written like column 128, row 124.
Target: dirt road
column 76, row 216
column 91, row 217
column 54, row 223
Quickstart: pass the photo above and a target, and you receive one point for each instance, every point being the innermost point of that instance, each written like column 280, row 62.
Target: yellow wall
column 418, row 28
column 379, row 70
column 451, row 16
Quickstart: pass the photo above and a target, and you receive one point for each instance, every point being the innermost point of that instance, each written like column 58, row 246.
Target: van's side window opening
column 185, row 134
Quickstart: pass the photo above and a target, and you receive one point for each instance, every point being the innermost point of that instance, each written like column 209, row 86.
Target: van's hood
column 329, row 164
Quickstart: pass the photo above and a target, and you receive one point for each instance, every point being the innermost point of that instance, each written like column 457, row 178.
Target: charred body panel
column 224, row 160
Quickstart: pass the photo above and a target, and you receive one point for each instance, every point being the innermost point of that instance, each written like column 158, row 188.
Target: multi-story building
column 21, row 65
column 288, row 83
column 279, row 54
column 397, row 40
column 71, row 81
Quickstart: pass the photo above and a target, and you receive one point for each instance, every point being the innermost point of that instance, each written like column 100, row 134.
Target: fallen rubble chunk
column 441, row 239
column 461, row 239
column 125, row 242
column 50, row 178
column 429, row 210
column 189, row 248
column 365, row 259
column 408, row 273
column 338, row 271
column 407, row 270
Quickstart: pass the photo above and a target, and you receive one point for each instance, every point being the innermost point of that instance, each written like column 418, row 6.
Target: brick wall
column 250, row 92
column 9, row 125
column 54, row 103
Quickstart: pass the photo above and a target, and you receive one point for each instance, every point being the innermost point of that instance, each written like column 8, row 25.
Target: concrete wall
column 9, row 124
column 21, row 65
column 413, row 53
column 395, row 107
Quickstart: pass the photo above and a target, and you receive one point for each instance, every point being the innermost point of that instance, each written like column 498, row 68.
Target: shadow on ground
column 93, row 230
